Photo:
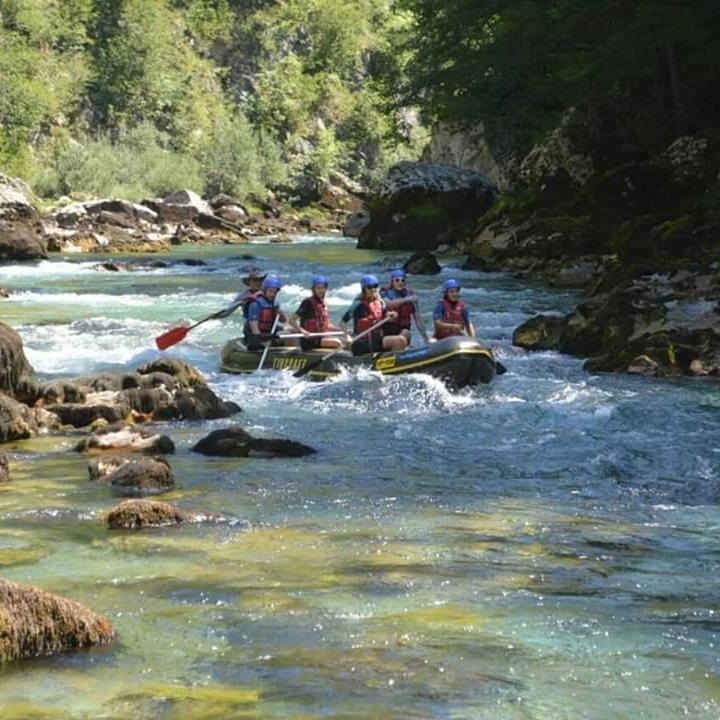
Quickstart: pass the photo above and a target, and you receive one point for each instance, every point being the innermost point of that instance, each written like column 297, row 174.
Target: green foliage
column 516, row 64
column 137, row 164
column 237, row 160
column 136, row 97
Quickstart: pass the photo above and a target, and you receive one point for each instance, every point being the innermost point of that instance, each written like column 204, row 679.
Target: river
column 546, row 547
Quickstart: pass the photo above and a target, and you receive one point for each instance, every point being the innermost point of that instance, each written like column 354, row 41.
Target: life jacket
column 375, row 313
column 452, row 313
column 266, row 318
column 405, row 313
column 320, row 321
column 248, row 300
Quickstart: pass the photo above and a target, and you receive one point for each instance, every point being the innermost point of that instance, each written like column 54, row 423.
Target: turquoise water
column 546, row 547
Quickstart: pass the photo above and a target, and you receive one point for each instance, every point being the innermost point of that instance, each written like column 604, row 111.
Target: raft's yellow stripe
column 437, row 358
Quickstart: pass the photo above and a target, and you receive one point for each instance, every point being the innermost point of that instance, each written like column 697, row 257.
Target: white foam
column 45, row 269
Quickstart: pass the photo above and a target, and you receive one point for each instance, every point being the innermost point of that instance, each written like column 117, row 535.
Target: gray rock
column 183, row 206
column 419, row 207
column 235, row 442
column 422, row 264
column 15, row 369
column 20, row 241
column 356, row 223
column 17, row 421
column 232, row 213
column 543, row 332
column 141, row 476
column 4, row 468
column 15, row 199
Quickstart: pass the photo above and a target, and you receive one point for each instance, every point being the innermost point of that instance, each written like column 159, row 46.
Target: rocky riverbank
column 638, row 236
column 120, row 226
column 119, row 417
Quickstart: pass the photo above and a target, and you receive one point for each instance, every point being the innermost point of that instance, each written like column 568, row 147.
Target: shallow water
column 546, row 547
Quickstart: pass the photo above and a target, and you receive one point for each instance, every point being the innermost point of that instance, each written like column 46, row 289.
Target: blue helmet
column 398, row 273
column 319, row 280
column 369, row 281
column 271, row 282
column 451, row 285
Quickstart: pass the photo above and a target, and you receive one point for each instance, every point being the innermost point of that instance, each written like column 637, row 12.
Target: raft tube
column 458, row 361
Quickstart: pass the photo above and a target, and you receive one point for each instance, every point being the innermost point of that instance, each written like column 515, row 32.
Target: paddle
column 316, row 363
column 267, row 345
column 176, row 334
column 420, row 323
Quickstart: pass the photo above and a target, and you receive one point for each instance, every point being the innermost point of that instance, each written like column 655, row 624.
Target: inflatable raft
column 459, row 361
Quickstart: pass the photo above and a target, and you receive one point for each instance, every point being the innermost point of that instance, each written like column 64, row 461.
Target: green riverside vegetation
column 138, row 97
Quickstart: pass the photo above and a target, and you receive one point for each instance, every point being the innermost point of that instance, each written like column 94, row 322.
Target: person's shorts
column 255, row 345
column 393, row 329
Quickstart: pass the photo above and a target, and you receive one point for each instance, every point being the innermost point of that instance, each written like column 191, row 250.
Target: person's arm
column 231, row 308
column 420, row 322
column 397, row 302
column 304, row 312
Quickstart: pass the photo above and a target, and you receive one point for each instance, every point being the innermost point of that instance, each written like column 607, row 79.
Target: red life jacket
column 266, row 319
column 320, row 321
column 375, row 313
column 452, row 313
column 405, row 311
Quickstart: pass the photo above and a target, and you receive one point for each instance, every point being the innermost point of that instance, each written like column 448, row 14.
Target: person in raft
column 312, row 315
column 398, row 297
column 261, row 314
column 368, row 310
column 253, row 282
column 451, row 315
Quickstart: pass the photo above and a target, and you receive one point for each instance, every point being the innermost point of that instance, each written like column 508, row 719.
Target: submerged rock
column 141, row 476
column 127, row 439
column 138, row 514
column 34, row 623
column 4, row 468
column 423, row 263
column 236, row 442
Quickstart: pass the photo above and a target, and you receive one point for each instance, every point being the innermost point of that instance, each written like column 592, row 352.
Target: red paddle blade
column 172, row 336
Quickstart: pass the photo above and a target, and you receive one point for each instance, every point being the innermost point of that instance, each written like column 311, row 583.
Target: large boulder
column 181, row 206
column 21, row 241
column 4, row 468
column 356, row 223
column 421, row 206
column 34, row 623
column 542, row 332
column 17, row 421
column 16, row 373
column 473, row 148
column 15, row 200
column 235, row 442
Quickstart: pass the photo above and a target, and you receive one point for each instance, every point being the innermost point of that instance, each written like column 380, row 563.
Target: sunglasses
column 400, row 280
column 454, row 290
column 372, row 287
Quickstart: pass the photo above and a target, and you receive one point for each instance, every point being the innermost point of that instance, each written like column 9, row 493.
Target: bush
column 237, row 160
column 134, row 165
